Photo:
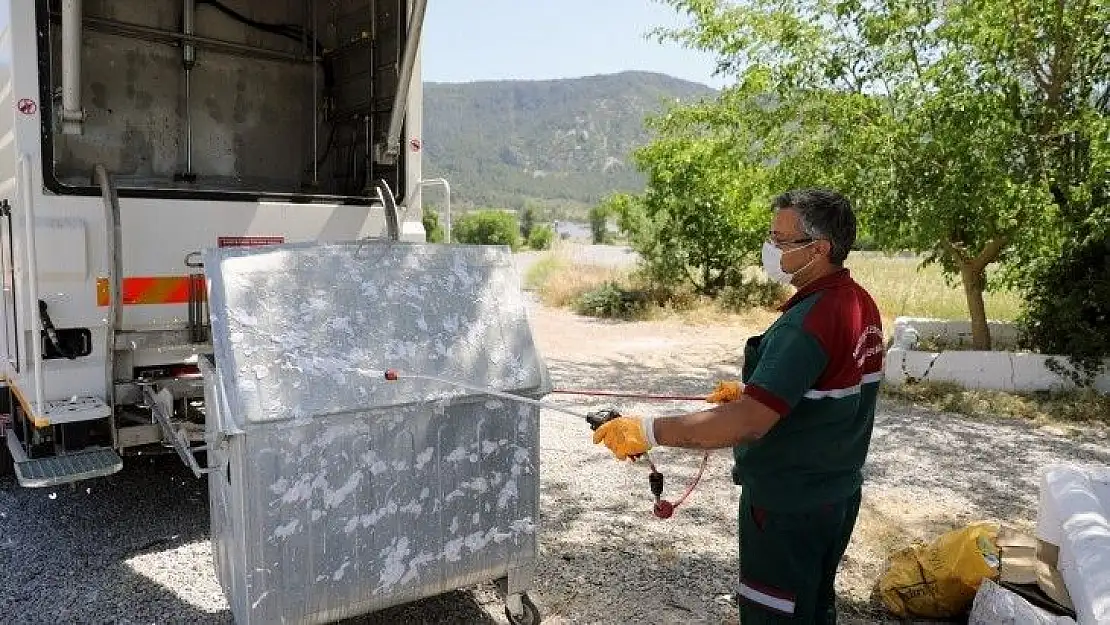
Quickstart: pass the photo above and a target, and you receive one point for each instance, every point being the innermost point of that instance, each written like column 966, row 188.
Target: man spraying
column 800, row 426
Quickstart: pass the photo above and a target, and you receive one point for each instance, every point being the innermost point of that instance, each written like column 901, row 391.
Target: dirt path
column 605, row 559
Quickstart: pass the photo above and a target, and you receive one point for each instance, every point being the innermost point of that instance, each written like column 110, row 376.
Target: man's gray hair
column 824, row 214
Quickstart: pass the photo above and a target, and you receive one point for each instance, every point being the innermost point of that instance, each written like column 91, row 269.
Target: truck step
column 74, row 410
column 55, row 470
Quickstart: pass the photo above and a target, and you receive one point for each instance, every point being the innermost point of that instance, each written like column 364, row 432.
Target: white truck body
column 238, row 122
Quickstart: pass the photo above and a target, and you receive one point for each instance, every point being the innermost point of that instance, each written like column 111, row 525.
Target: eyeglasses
column 781, row 242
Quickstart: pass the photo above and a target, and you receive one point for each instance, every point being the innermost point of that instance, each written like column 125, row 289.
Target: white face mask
column 772, row 263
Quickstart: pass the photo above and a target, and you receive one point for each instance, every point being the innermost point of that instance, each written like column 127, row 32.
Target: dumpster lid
column 301, row 331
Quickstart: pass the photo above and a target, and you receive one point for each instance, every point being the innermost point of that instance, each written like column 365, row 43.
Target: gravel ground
column 133, row 548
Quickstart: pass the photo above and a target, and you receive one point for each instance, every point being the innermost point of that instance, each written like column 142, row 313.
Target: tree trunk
column 975, row 280
column 973, row 274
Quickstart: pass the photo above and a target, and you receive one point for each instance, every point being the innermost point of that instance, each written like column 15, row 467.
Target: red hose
column 566, row 391
column 663, row 509
column 694, row 483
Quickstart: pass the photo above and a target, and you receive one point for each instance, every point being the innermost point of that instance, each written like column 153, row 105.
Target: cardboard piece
column 1029, row 569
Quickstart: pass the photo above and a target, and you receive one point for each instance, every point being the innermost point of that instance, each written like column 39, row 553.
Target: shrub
column 541, row 237
column 487, row 227
column 1068, row 310
column 611, row 300
column 752, row 293
column 432, row 229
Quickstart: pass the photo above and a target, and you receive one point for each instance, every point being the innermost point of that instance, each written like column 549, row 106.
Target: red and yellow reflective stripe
column 138, row 291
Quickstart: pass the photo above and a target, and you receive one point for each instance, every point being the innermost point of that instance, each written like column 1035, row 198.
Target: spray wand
column 662, row 508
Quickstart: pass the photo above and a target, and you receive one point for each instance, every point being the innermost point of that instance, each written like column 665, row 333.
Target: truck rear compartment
column 222, row 96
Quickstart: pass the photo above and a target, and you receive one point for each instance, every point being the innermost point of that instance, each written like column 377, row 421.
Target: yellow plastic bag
column 940, row 580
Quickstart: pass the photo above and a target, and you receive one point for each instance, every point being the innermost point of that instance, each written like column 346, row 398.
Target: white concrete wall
column 1002, row 371
column 1003, row 333
column 995, row 370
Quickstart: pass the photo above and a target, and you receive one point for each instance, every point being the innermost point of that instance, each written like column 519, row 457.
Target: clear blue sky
column 468, row 40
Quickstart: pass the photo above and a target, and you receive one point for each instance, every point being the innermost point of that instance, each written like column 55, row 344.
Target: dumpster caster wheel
column 528, row 613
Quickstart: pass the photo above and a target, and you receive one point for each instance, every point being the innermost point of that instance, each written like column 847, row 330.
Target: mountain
column 564, row 144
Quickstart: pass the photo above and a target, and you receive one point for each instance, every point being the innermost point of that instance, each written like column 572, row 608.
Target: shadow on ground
column 65, row 552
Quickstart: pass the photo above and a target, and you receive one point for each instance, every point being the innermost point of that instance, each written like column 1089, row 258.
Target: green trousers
column 788, row 561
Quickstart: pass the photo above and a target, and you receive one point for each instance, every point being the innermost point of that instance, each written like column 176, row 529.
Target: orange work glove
column 626, row 436
column 726, row 391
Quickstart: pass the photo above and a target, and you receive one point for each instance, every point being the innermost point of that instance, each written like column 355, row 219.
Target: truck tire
column 7, row 464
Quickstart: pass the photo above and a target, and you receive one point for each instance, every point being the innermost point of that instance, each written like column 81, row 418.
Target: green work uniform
column 819, row 367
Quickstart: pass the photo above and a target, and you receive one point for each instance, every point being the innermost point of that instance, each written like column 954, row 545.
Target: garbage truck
column 135, row 134
column 153, row 155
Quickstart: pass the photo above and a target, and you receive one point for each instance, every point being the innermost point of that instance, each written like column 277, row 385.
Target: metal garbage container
column 335, row 493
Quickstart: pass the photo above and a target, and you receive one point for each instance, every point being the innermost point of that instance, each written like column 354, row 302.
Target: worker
column 799, row 425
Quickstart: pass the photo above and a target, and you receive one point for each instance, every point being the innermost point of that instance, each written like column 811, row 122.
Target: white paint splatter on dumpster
column 342, row 571
column 478, row 484
column 279, row 486
column 334, row 498
column 287, row 530
column 301, row 491
column 423, row 559
column 394, row 566
column 457, row 455
column 452, row 551
column 508, row 493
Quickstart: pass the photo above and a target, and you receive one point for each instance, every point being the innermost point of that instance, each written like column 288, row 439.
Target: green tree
column 599, row 223
column 527, row 221
column 487, row 227
column 973, row 133
column 701, row 220
column 433, row 230
column 541, row 237
column 1068, row 309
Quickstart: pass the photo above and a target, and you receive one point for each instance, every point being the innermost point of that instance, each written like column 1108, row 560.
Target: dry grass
column 901, row 288
column 558, row 283
column 1081, row 408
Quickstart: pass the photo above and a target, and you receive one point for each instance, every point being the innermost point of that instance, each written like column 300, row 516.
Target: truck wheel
column 7, row 465
column 530, row 616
